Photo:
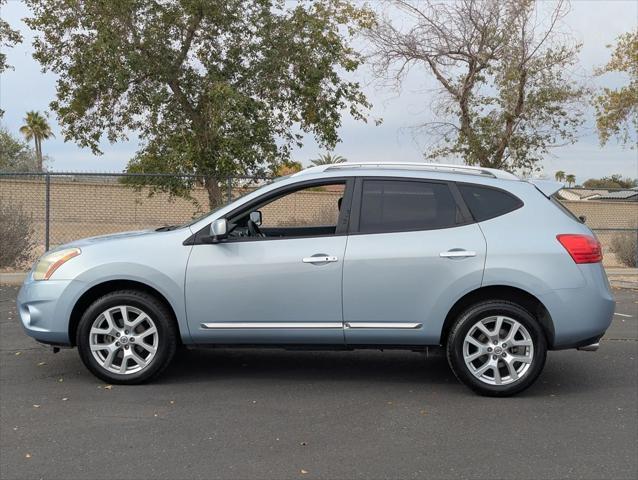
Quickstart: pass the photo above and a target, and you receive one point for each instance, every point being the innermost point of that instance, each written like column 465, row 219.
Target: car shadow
column 561, row 376
column 201, row 365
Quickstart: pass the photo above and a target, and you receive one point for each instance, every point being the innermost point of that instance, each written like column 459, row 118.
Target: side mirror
column 219, row 230
column 255, row 217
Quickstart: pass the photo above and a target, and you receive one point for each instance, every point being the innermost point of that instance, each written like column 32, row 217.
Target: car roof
column 375, row 168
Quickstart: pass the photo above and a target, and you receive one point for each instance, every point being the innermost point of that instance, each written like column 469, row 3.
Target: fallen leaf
column 108, row 387
column 303, row 472
column 18, row 353
column 424, row 412
column 36, row 406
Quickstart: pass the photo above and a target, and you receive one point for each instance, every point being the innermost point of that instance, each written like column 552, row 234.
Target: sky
column 594, row 23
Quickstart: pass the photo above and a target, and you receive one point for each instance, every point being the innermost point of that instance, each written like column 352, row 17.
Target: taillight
column 582, row 248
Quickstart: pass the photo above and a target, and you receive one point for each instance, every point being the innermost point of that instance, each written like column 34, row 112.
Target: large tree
column 212, row 87
column 505, row 94
column 617, row 109
column 8, row 38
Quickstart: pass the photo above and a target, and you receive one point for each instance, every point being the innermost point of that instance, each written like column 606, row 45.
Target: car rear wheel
column 496, row 348
column 126, row 337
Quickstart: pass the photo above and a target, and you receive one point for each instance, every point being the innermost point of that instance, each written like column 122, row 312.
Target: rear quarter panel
column 522, row 249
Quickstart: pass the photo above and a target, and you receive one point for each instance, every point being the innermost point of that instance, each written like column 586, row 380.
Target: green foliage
column 287, row 167
column 212, row 87
column 8, row 38
column 328, row 159
column 570, row 179
column 503, row 68
column 617, row 109
column 16, row 155
column 560, row 176
column 36, row 127
column 615, row 181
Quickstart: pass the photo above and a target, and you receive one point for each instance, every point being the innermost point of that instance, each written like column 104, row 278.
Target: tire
column 148, row 340
column 491, row 369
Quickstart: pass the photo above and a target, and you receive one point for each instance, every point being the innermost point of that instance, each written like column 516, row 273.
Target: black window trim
column 355, row 216
column 521, row 204
column 201, row 237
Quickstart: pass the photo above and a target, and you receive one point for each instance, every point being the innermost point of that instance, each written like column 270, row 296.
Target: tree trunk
column 215, row 193
column 38, row 155
column 38, row 152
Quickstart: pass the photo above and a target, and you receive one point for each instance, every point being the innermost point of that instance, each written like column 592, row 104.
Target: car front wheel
column 496, row 348
column 126, row 337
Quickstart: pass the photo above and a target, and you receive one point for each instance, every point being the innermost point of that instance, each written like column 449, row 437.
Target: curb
column 13, row 278
column 624, row 284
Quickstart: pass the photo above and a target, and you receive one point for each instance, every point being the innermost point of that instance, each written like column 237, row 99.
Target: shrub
column 16, row 236
column 625, row 246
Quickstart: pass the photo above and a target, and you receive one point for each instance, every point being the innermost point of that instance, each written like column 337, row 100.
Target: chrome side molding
column 383, row 325
column 309, row 325
column 226, row 325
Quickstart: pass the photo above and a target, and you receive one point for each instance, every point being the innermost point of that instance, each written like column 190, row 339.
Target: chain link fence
column 49, row 209
column 62, row 207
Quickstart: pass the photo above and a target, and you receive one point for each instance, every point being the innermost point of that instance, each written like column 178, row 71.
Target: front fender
column 171, row 287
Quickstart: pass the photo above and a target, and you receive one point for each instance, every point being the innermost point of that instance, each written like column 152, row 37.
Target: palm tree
column 36, row 127
column 570, row 179
column 327, row 159
column 559, row 176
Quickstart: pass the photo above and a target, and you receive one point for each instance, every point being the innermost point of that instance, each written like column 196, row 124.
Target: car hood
column 109, row 238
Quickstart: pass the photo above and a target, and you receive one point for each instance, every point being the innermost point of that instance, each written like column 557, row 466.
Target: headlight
column 50, row 262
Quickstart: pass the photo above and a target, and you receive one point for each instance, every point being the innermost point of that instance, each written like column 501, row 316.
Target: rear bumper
column 580, row 316
column 45, row 307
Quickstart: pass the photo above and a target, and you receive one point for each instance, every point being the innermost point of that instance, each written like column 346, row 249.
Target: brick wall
column 87, row 208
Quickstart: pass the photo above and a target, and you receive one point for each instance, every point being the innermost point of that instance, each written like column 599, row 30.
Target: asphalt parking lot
column 281, row 414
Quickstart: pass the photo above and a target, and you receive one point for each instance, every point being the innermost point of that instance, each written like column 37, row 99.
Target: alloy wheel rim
column 498, row 350
column 123, row 340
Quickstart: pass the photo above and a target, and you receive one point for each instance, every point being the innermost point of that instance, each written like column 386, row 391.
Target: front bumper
column 45, row 308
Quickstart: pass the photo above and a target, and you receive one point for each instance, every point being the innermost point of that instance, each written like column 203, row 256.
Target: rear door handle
column 457, row 254
column 319, row 259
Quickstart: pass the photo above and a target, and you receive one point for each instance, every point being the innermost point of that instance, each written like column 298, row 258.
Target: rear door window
column 485, row 202
column 395, row 205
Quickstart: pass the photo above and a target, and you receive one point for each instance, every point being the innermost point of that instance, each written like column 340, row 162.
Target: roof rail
column 438, row 167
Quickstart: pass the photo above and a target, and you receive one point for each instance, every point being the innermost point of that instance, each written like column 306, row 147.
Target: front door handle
column 319, row 259
column 457, row 254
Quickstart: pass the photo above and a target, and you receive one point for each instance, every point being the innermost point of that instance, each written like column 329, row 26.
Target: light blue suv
column 340, row 256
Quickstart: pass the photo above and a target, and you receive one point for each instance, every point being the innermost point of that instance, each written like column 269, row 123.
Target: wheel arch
column 501, row 292
column 96, row 291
